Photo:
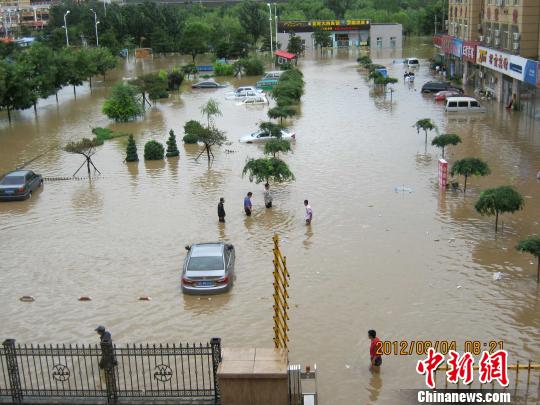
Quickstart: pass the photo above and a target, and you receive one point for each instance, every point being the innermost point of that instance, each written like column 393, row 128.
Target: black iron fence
column 110, row 374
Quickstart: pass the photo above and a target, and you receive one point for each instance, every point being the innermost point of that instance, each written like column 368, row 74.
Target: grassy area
column 104, row 134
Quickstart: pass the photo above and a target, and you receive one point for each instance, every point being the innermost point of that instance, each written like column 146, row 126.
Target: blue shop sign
column 530, row 74
column 457, row 47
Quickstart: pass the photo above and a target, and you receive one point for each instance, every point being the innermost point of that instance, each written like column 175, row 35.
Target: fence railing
column 74, row 373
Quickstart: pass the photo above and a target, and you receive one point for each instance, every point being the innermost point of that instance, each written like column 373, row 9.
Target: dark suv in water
column 435, row 87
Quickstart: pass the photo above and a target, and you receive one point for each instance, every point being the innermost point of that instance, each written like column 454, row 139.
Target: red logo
column 494, row 367
column 460, row 368
column 429, row 366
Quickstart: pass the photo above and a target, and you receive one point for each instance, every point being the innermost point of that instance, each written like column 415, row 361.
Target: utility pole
column 435, row 24
column 275, row 19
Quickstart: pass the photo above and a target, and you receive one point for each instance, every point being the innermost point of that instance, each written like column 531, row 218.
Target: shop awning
column 286, row 55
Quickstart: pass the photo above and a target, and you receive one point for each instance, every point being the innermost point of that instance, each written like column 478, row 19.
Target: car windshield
column 205, row 263
column 12, row 180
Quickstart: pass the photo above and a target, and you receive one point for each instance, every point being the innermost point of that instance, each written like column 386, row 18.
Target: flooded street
column 413, row 266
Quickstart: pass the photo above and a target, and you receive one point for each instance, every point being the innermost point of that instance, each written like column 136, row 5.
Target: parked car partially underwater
column 19, row 185
column 208, row 268
column 242, row 92
column 262, row 135
column 208, row 84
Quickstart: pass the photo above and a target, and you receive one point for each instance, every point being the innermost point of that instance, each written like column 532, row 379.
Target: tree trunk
column 193, row 57
column 465, row 186
column 496, row 220
column 90, row 82
column 74, row 92
column 9, row 114
column 56, row 94
column 35, row 107
column 443, row 152
column 538, row 271
column 208, row 152
column 88, row 166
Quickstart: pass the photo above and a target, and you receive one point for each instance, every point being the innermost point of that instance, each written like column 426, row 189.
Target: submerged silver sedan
column 208, row 268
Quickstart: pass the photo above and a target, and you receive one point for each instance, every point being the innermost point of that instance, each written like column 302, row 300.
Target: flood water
column 413, row 265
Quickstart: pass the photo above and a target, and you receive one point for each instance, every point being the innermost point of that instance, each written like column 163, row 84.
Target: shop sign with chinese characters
column 511, row 65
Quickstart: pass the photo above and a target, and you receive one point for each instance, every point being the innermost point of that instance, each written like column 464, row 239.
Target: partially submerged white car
column 254, row 100
column 243, row 92
column 262, row 136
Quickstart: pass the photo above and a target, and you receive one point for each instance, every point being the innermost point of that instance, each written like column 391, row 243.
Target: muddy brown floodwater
column 413, row 266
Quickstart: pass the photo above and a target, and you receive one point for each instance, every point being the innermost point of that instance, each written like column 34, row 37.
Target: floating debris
column 145, row 298
column 458, row 286
column 403, row 189
column 497, row 276
column 85, row 298
column 27, row 298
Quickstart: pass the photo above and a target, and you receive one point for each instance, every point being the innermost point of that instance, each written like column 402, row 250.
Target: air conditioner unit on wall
column 497, row 33
column 515, row 46
column 497, row 41
column 481, row 37
column 488, row 39
column 516, row 36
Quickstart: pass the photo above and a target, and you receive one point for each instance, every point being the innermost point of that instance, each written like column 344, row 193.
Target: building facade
column 343, row 33
column 494, row 45
column 15, row 14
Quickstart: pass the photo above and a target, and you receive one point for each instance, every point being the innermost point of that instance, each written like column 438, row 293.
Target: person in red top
column 376, row 359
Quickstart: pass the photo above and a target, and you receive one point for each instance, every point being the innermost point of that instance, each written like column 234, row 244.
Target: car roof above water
column 18, row 173
column 207, row 249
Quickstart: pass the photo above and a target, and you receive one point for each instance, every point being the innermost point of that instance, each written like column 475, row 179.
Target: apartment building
column 15, row 14
column 495, row 45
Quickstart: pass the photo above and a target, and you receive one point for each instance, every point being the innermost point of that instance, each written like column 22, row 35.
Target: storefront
column 468, row 56
column 512, row 77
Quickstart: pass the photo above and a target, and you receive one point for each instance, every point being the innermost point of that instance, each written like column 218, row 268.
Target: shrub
column 172, row 149
column 153, row 150
column 122, row 104
column 190, row 139
column 252, row 66
column 131, row 151
column 105, row 134
column 174, row 79
column 223, row 69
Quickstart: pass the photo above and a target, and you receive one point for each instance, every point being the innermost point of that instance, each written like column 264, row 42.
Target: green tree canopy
column 211, row 109
column 266, row 169
column 425, row 124
column 16, row 87
column 444, row 140
column 500, row 200
column 195, row 37
column 275, row 146
column 282, row 112
column 469, row 167
column 531, row 244
column 121, row 104
column 253, row 18
column 296, row 44
column 323, row 39
column 87, row 148
column 210, row 137
column 131, row 150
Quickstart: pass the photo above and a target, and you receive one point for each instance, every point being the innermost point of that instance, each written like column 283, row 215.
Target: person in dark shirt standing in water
column 247, row 203
column 374, row 351
column 221, row 210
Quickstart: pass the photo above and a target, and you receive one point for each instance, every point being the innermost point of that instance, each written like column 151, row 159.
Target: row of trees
column 229, row 30
column 491, row 202
column 37, row 72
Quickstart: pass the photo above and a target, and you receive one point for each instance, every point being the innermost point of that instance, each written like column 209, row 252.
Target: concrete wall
column 386, row 32
column 283, row 39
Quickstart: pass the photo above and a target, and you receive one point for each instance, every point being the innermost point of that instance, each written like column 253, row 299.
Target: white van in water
column 411, row 62
column 463, row 104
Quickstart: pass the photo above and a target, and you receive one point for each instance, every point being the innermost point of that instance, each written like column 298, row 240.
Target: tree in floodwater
column 172, row 149
column 131, row 150
column 444, row 140
column 495, row 201
column 122, row 105
column 266, row 169
column 16, row 90
column 195, row 37
column 425, row 125
column 275, row 146
column 323, row 39
column 469, row 167
column 281, row 112
column 87, row 148
column 210, row 109
column 531, row 244
column 153, row 150
column 210, row 137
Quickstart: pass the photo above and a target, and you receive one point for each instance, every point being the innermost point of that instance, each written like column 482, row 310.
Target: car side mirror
column 188, row 248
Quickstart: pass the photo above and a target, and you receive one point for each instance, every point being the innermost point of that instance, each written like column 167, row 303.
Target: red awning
column 286, row 55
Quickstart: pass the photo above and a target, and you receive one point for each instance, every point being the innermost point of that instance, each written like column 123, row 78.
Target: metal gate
column 106, row 374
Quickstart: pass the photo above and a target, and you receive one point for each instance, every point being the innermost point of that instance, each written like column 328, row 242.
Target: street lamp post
column 275, row 20
column 96, row 22
column 271, row 38
column 65, row 27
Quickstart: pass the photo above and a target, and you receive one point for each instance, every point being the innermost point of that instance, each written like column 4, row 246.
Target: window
column 475, row 104
column 392, row 42
column 452, row 104
column 205, row 263
column 379, row 42
column 463, row 104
